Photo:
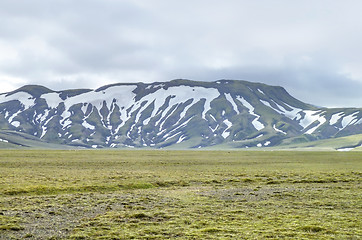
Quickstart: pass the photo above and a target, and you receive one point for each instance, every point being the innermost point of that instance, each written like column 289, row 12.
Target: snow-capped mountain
column 181, row 113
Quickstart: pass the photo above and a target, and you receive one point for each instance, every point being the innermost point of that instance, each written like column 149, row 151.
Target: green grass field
column 46, row 194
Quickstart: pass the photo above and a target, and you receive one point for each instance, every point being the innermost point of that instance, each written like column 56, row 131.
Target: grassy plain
column 109, row 194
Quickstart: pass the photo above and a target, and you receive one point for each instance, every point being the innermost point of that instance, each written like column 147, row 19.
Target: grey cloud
column 304, row 46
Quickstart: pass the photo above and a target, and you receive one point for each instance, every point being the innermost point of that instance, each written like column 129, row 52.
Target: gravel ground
column 54, row 217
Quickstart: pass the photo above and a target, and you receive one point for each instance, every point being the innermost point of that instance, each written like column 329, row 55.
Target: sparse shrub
column 312, row 228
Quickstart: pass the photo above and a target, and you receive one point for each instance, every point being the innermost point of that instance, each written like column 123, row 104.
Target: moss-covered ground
column 180, row 195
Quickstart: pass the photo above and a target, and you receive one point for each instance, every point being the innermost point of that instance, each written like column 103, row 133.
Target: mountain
column 177, row 114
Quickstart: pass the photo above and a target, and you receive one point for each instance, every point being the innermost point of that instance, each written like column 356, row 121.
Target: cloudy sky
column 313, row 48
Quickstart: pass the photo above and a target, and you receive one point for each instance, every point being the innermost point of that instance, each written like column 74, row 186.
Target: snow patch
column 24, row 98
column 259, row 136
column 231, row 100
column 180, row 126
column 321, row 122
column 278, row 130
column 10, row 119
column 181, row 139
column 214, row 129
column 344, row 149
column 261, row 91
column 165, row 118
column 258, row 125
column 15, row 123
column 293, row 114
column 52, row 99
column 66, row 123
column 335, row 117
column 266, row 103
column 168, row 138
column 310, row 117
column 212, row 117
column 122, row 95
column 87, row 125
column 47, row 121
column 44, row 131
column 43, row 117
column 349, row 120
column 180, row 94
column 160, row 133
column 229, row 124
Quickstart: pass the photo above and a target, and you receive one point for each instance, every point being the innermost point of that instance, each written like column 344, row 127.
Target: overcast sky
column 313, row 48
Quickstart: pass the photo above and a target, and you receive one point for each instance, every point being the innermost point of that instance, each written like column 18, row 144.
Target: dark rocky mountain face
column 179, row 113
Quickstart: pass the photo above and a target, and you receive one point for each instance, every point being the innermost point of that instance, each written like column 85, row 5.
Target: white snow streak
column 10, row 119
column 258, row 125
column 261, row 91
column 335, row 117
column 52, row 99
column 87, row 125
column 349, row 120
column 181, row 94
column 15, row 123
column 123, row 95
column 164, row 119
column 44, row 131
column 181, row 139
column 212, row 117
column 231, row 100
column 294, row 114
column 178, row 127
column 229, row 124
column 24, row 98
column 214, row 129
column 310, row 117
column 172, row 136
column 278, row 130
column 345, row 149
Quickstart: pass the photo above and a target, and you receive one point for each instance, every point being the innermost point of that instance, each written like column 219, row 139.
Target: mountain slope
column 15, row 140
column 185, row 113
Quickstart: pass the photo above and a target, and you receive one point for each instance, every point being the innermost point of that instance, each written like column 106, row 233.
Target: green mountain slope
column 15, row 140
column 176, row 114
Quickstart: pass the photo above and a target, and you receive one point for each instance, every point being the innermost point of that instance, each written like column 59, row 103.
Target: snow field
column 229, row 124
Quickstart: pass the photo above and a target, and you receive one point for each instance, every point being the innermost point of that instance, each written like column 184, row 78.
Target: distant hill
column 177, row 114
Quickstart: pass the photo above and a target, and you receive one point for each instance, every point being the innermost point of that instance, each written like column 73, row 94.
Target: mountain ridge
column 192, row 114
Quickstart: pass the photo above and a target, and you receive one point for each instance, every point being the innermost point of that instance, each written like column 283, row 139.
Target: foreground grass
column 180, row 194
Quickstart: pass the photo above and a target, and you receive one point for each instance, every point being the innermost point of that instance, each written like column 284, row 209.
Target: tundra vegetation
column 109, row 194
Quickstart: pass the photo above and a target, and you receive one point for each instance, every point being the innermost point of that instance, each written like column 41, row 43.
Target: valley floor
column 95, row 194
